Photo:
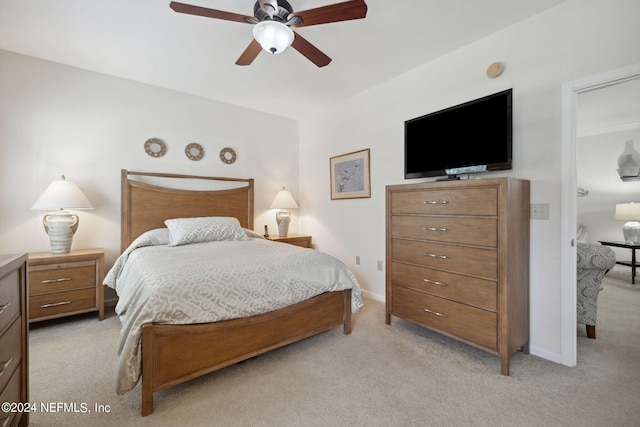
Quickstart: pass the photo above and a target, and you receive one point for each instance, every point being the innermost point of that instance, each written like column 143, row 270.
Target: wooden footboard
column 173, row 354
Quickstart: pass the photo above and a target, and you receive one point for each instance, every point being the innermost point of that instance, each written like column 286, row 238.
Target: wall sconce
column 629, row 212
column 283, row 201
column 61, row 224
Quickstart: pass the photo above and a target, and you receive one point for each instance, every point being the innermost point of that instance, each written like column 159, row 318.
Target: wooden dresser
column 14, row 339
column 458, row 261
column 66, row 284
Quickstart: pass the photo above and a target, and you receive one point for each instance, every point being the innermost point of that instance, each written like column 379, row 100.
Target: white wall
column 56, row 120
column 574, row 40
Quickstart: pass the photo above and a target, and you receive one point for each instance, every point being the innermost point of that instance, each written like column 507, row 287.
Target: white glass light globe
column 273, row 36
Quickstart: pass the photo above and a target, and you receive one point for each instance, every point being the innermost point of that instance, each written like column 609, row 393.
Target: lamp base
column 283, row 218
column 631, row 232
column 60, row 226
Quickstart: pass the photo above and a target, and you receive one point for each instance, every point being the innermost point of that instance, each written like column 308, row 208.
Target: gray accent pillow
column 183, row 231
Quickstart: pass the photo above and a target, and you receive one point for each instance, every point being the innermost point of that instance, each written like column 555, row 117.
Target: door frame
column 568, row 298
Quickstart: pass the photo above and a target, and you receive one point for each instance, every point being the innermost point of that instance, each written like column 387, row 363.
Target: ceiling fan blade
column 348, row 10
column 209, row 13
column 311, row 52
column 250, row 53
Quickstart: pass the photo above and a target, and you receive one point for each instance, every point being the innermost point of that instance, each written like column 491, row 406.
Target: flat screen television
column 468, row 138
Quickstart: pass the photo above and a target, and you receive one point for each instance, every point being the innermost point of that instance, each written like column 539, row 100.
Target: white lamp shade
column 62, row 194
column 273, row 36
column 284, row 200
column 628, row 211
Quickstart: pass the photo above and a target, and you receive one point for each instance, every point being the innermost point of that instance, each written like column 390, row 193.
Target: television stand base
column 449, row 178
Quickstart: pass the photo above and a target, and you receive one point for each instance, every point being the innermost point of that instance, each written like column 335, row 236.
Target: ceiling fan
column 273, row 20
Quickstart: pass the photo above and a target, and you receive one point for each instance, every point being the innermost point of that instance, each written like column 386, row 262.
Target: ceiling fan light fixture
column 273, row 36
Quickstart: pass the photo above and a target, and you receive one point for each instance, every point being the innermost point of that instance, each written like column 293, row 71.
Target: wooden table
column 633, row 264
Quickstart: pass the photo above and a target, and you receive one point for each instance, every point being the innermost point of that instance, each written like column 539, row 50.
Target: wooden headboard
column 146, row 206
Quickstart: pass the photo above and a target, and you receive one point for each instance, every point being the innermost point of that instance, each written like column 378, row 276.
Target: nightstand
column 293, row 239
column 65, row 284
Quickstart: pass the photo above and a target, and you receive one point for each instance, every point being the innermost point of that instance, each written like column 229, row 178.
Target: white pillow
column 204, row 229
column 252, row 234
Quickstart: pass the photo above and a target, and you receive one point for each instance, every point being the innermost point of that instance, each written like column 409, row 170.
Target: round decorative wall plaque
column 228, row 155
column 495, row 70
column 194, row 151
column 155, row 147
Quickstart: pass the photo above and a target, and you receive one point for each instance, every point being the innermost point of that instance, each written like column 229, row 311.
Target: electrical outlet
column 379, row 265
column 539, row 211
column 357, row 259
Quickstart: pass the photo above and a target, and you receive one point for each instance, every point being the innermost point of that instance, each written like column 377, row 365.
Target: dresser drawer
column 61, row 302
column 468, row 201
column 9, row 298
column 457, row 259
column 61, row 277
column 473, row 291
column 469, row 323
column 10, row 352
column 11, row 394
column 480, row 231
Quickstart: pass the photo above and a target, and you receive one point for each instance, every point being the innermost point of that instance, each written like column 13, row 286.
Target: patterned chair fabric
column 593, row 261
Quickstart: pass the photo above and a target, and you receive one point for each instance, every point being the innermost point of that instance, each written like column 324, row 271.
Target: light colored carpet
column 380, row 375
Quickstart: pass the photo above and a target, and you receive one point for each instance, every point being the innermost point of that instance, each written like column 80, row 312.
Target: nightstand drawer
column 304, row 242
column 61, row 302
column 9, row 298
column 62, row 277
column 301, row 240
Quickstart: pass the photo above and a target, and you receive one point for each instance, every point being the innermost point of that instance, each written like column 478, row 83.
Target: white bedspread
column 212, row 281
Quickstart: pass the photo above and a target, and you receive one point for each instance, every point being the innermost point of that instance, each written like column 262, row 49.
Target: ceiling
column 609, row 109
column 145, row 41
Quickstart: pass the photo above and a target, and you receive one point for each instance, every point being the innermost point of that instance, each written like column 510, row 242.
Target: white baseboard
column 373, row 295
column 545, row 354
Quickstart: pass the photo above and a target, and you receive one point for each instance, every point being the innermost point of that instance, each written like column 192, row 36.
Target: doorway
column 570, row 93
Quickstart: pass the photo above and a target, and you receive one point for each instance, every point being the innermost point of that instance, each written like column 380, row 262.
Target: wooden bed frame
column 173, row 354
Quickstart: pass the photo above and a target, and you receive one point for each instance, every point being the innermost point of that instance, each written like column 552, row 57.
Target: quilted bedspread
column 212, row 281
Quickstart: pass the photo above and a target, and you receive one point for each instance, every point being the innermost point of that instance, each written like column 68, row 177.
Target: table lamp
column 283, row 201
column 61, row 224
column 629, row 212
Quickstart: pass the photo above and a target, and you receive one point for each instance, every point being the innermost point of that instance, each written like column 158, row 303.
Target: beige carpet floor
column 380, row 375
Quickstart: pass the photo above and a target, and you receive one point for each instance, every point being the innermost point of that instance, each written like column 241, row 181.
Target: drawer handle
column 435, row 312
column 4, row 307
column 435, row 229
column 63, row 279
column 5, row 365
column 55, row 304
column 434, row 282
column 437, row 256
column 435, row 202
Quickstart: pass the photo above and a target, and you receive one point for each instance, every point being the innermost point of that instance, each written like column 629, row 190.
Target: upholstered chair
column 593, row 262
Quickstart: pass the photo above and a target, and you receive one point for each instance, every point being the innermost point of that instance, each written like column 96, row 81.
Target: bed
column 198, row 332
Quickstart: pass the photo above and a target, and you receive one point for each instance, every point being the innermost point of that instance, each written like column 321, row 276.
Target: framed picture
column 350, row 177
